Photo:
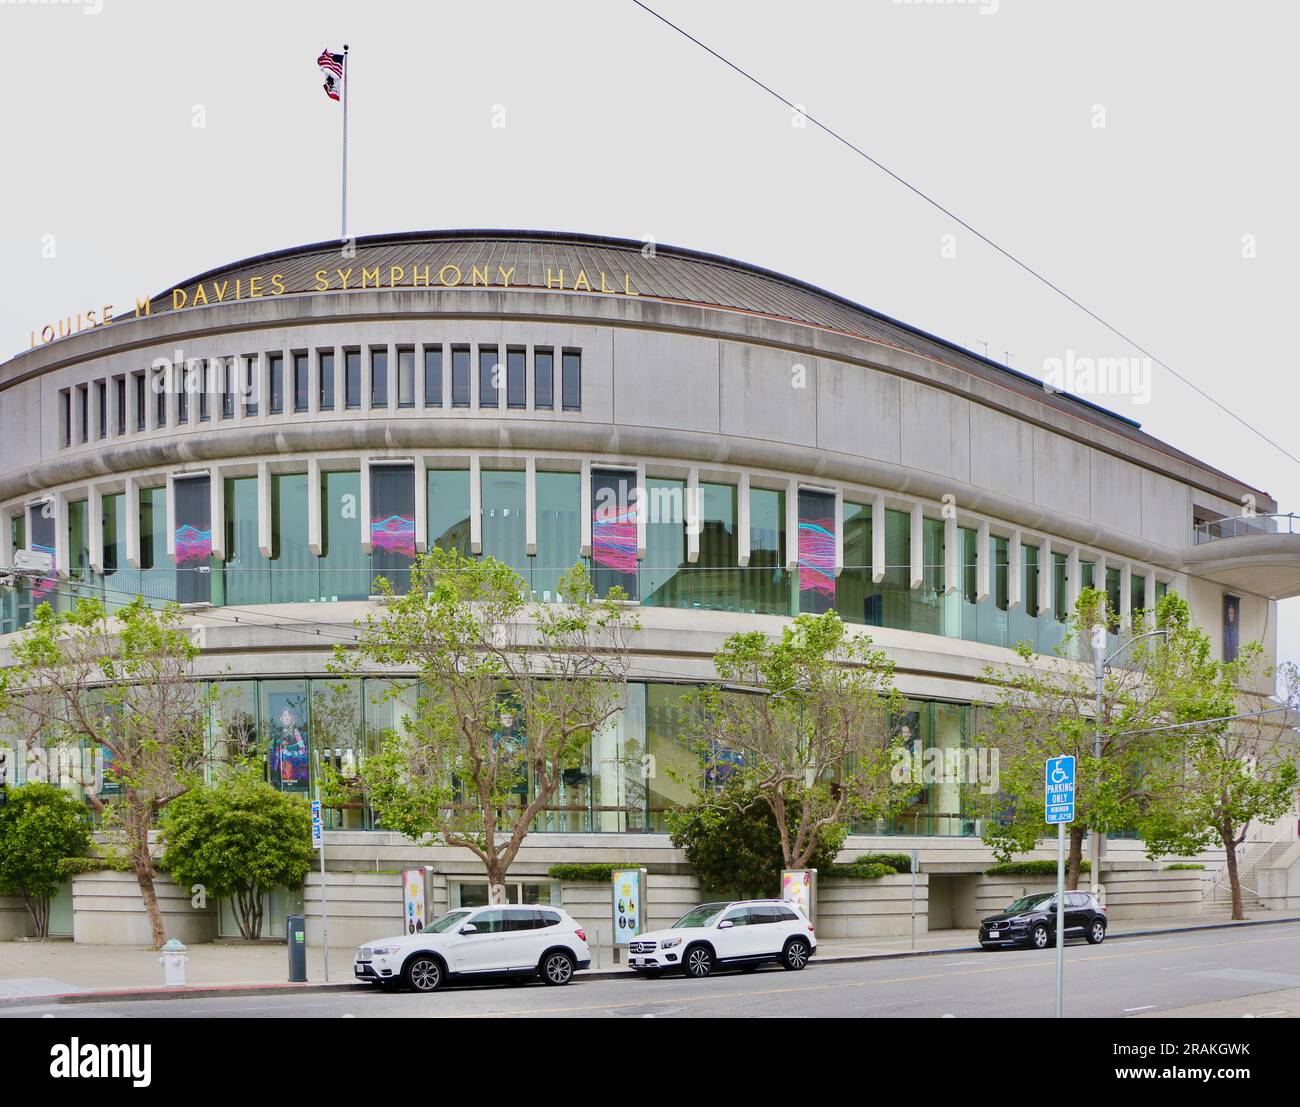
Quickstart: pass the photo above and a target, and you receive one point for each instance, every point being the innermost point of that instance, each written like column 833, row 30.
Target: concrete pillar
column 265, row 538
column 217, row 510
column 743, row 521
column 1015, row 583
column 94, row 528
column 364, row 507
column 983, row 563
column 476, row 506
column 693, row 512
column 132, row 511
column 1046, row 575
column 792, row 525
column 878, row 539
column 951, row 555
column 584, row 508
column 839, row 531
column 642, row 497
column 315, row 535
column 1126, row 596
column 918, row 545
column 421, row 495
column 530, row 506
column 1073, row 580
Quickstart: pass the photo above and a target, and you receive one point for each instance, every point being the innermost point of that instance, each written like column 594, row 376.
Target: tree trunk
column 496, row 874
column 39, row 909
column 1234, row 877
column 1074, row 857
column 144, row 877
column 139, row 809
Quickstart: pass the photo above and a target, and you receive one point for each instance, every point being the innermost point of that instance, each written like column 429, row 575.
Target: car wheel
column 1039, row 937
column 796, row 956
column 1097, row 932
column 698, row 962
column 557, row 967
column 423, row 973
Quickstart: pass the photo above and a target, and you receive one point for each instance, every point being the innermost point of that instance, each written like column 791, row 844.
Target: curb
column 218, row 991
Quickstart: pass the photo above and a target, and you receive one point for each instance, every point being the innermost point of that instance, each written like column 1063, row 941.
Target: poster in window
column 287, row 745
column 1231, row 626
column 392, row 523
column 816, row 552
column 613, row 532
column 40, row 531
column 193, row 538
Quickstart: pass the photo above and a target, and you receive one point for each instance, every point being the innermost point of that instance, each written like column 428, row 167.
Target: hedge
column 75, row 866
column 1030, row 868
column 590, row 872
column 1181, row 866
column 871, row 866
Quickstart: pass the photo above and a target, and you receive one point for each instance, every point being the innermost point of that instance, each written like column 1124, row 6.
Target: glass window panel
column 392, row 523
column 275, row 373
column 192, row 499
column 1060, row 587
column 284, row 735
column 160, row 576
column 559, row 531
column 543, row 378
column 1029, row 579
column 675, row 769
column 619, row 785
column 449, row 509
column 325, row 369
column 853, row 589
column 252, row 385
column 613, row 531
column 301, row 381
column 337, row 740
column 406, row 376
column 489, row 377
column 460, row 376
column 516, row 386
column 766, row 583
column 352, row 378
column 433, row 376
column 293, row 565
column 572, row 384
column 379, row 376
column 665, row 554
column 503, row 518
column 244, row 577
column 343, row 571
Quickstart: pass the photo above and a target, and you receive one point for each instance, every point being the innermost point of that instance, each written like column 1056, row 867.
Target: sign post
column 1058, row 803
column 318, row 842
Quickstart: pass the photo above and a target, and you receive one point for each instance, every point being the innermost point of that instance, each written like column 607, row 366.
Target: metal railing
column 1238, row 526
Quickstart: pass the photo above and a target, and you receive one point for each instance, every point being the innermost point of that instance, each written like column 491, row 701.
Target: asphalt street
column 1117, row 979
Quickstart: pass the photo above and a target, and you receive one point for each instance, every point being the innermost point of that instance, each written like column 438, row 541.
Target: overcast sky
column 1141, row 155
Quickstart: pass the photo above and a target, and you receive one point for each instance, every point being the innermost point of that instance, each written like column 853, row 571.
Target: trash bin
column 296, row 929
column 173, row 960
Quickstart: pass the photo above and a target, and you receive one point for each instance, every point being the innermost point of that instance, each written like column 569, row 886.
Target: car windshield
column 704, row 915
column 443, row 923
column 1029, row 903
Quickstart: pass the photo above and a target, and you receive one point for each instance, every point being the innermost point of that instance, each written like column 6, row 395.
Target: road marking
column 1148, row 1007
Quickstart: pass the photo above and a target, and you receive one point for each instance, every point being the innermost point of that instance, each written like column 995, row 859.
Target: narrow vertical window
column 572, row 393
column 433, row 376
column 489, row 377
column 160, row 383
column 406, row 376
column 516, row 381
column 543, row 378
column 204, row 375
column 227, row 372
column 300, row 381
column 119, row 392
column 379, row 376
column 352, row 378
column 183, row 395
column 83, row 413
column 325, row 367
column 251, row 385
column 65, row 418
column 460, row 376
column 141, row 403
column 275, row 367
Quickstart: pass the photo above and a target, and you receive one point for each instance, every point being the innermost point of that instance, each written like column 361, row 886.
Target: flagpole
column 346, row 82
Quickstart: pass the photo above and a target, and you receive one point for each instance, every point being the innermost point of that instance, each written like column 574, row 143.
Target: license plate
column 994, row 933
column 633, row 961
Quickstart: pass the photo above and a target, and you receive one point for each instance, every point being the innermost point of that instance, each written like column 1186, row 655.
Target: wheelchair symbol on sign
column 1059, row 775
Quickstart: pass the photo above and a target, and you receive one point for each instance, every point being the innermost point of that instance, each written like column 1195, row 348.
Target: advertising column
column 629, row 905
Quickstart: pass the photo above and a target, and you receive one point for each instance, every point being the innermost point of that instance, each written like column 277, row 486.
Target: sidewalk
column 32, row 969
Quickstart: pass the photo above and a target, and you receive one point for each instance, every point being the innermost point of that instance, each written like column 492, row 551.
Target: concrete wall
column 107, row 910
column 1278, row 883
column 362, row 907
column 15, row 919
column 871, row 908
column 1127, row 893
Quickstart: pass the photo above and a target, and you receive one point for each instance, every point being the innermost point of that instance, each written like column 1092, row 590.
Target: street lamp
column 1100, row 662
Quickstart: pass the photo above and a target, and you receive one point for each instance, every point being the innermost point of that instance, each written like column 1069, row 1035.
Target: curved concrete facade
column 693, row 370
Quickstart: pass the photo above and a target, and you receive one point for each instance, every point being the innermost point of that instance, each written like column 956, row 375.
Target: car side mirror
column 469, row 928
column 726, row 924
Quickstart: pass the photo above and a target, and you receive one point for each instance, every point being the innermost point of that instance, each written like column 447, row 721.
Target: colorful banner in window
column 40, row 539
column 613, row 532
column 286, row 727
column 392, row 523
column 192, row 506
column 816, row 552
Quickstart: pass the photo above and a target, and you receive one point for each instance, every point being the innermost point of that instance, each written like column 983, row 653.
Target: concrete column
column 1126, row 596
column 792, row 525
column 983, row 563
column 217, row 510
column 94, row 528
column 642, row 497
column 530, row 506
column 918, row 546
column 60, row 508
column 743, row 521
column 584, row 508
column 1046, row 575
column 951, row 555
column 421, row 494
column 265, row 541
column 839, row 531
column 878, row 539
column 1015, row 584
column 171, row 515
column 693, row 513
column 1150, row 597
column 6, row 539
column 364, row 507
column 315, row 535
column 132, row 512
column 476, row 506
column 1073, row 580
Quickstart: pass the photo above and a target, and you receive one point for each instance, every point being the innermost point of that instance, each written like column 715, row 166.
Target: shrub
column 591, row 872
column 871, row 866
column 1030, row 868
column 1182, row 865
column 41, row 826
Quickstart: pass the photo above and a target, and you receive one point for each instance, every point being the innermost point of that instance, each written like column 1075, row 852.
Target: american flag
column 331, row 67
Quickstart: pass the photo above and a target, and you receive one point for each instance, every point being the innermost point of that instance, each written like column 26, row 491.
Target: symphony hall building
column 260, row 442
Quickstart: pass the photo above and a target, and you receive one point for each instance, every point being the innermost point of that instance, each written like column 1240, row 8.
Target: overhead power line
column 938, row 206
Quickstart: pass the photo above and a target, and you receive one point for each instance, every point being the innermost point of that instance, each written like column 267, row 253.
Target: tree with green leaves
column 1230, row 774
column 122, row 685
column 41, row 826
column 510, row 693
column 732, row 841
column 238, row 837
column 1045, row 706
column 804, row 722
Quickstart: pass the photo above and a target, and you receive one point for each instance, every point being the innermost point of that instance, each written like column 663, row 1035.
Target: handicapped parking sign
column 1058, row 789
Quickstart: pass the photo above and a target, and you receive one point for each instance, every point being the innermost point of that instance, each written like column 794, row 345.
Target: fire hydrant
column 173, row 961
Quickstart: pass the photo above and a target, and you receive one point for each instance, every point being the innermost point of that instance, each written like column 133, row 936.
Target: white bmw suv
column 507, row 942
column 740, row 934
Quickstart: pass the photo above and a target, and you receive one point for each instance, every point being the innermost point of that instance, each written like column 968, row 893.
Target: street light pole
column 1100, row 662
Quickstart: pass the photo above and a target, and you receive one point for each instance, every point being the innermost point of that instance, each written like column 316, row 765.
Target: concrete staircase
column 1256, row 854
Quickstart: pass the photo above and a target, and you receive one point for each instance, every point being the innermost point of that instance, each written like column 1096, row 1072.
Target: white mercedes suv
column 740, row 934
column 507, row 942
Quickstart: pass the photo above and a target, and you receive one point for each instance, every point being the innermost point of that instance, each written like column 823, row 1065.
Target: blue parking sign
column 1058, row 789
